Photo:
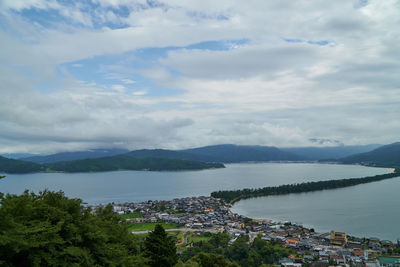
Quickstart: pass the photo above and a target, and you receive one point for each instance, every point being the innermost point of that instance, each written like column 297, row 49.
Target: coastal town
column 200, row 215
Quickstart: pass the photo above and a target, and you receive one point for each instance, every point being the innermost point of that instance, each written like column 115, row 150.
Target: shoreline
column 308, row 227
column 390, row 169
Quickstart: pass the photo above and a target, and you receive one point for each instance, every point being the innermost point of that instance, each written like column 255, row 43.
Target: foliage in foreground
column 48, row 229
column 240, row 253
column 160, row 248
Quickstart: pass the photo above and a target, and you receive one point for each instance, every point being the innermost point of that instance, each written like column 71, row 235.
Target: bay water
column 364, row 210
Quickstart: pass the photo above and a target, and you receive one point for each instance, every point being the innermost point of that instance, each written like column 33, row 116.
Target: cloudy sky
column 185, row 73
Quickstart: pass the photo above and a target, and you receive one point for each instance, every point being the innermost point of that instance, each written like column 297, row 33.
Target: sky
column 134, row 74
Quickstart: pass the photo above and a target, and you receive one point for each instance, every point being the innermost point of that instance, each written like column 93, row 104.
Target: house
column 358, row 252
column 323, row 255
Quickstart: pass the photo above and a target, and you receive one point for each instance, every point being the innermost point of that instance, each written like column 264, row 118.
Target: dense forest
column 122, row 162
column 114, row 163
column 49, row 229
column 236, row 195
column 217, row 153
column 384, row 156
column 76, row 155
column 18, row 166
column 239, row 153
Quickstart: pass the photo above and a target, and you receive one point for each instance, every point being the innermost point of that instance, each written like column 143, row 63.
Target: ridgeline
column 114, row 163
column 123, row 162
column 233, row 196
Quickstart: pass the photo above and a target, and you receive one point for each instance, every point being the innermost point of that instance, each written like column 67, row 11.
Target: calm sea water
column 364, row 210
column 368, row 210
column 124, row 186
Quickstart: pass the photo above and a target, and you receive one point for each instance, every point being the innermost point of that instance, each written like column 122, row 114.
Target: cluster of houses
column 316, row 249
column 322, row 249
column 192, row 212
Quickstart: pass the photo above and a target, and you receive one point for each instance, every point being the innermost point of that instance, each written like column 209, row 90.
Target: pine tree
column 160, row 248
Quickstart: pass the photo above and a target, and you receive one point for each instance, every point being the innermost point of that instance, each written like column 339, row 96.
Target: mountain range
column 329, row 152
column 227, row 153
column 384, row 156
column 198, row 158
column 69, row 156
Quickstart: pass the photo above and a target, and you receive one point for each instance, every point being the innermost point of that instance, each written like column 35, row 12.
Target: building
column 338, row 239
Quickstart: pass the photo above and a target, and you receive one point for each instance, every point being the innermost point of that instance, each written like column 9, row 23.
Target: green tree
column 49, row 229
column 212, row 260
column 160, row 248
column 239, row 250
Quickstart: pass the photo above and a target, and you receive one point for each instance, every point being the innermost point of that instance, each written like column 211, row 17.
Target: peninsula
column 233, row 196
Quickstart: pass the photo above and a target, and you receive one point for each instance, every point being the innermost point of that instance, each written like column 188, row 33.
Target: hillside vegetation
column 234, row 153
column 385, row 156
column 18, row 166
column 217, row 153
column 49, row 229
column 332, row 152
column 123, row 162
column 77, row 155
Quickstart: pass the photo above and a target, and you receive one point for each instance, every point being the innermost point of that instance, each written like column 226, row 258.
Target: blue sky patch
column 124, row 69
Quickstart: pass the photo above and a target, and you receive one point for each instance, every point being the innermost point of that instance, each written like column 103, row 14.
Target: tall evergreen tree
column 160, row 248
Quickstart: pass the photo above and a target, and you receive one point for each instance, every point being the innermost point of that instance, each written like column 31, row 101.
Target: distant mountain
column 17, row 155
column 217, row 153
column 234, row 153
column 18, row 166
column 384, row 156
column 125, row 162
column 221, row 153
column 171, row 154
column 334, row 152
column 70, row 156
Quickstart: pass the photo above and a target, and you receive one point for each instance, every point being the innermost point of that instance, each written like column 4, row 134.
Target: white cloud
column 128, row 81
column 26, row 4
column 118, row 87
column 267, row 91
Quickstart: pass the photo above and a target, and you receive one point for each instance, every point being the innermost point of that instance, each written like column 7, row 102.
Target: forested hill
column 333, row 152
column 385, row 156
column 114, row 163
column 170, row 154
column 234, row 153
column 18, row 166
column 77, row 155
column 217, row 153
column 123, row 162
column 236, row 195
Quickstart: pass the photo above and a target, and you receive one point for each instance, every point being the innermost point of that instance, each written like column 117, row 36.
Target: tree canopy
column 48, row 229
column 160, row 248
